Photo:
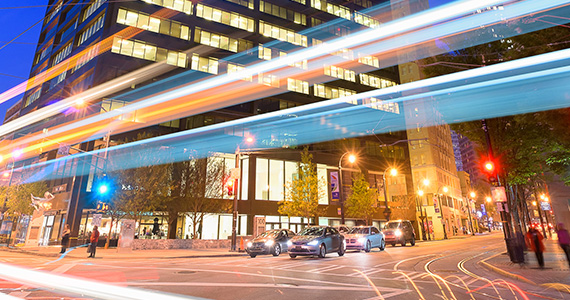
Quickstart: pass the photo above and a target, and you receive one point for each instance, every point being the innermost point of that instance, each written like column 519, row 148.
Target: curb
column 557, row 286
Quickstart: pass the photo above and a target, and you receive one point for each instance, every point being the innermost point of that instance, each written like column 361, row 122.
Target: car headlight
column 313, row 243
column 289, row 243
column 398, row 232
column 361, row 240
column 269, row 243
column 249, row 244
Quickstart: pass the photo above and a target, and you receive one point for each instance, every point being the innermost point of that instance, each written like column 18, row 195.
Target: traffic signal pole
column 235, row 211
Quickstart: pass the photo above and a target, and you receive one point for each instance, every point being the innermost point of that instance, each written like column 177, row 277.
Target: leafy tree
column 362, row 202
column 200, row 191
column 303, row 193
column 19, row 197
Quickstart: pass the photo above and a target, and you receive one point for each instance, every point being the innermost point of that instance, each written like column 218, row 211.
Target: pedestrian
column 144, row 232
column 534, row 242
column 65, row 238
column 564, row 240
column 93, row 241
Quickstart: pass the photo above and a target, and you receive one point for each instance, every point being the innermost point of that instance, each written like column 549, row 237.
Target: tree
column 303, row 193
column 19, row 197
column 200, row 192
column 140, row 190
column 362, row 202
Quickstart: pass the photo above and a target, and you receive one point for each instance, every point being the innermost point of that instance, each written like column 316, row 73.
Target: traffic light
column 490, row 169
column 230, row 187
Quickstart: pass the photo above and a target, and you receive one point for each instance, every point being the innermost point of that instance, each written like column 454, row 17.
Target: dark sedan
column 317, row 240
column 270, row 242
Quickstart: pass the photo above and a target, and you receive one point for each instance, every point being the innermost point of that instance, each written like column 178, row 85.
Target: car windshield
column 361, row 230
column 312, row 231
column 392, row 225
column 268, row 234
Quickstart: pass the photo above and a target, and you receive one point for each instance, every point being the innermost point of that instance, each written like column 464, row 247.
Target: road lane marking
column 325, row 269
column 63, row 268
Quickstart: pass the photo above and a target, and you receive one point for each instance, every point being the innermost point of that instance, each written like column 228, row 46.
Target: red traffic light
column 489, row 166
column 230, row 187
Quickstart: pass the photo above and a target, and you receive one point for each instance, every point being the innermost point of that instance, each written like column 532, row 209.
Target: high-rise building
column 86, row 43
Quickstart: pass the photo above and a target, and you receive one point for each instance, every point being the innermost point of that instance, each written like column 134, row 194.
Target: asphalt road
column 430, row 270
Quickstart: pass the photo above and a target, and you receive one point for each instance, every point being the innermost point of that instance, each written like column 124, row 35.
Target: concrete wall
column 160, row 244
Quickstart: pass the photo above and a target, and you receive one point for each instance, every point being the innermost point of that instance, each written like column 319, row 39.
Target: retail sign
column 127, row 235
column 259, row 227
column 96, row 221
column 483, row 210
column 545, row 206
column 234, row 173
column 436, row 204
column 6, row 227
column 335, row 186
column 498, row 194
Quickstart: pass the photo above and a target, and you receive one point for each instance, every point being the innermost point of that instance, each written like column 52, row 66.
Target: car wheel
column 277, row 250
column 341, row 250
column 382, row 245
column 253, row 255
column 368, row 247
column 292, row 255
column 404, row 243
column 413, row 242
column 322, row 251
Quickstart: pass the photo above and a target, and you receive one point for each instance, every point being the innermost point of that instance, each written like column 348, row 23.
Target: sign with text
column 483, row 210
column 498, row 194
column 96, row 221
column 6, row 227
column 127, row 235
column 335, row 186
column 436, row 204
column 259, row 227
column 545, row 205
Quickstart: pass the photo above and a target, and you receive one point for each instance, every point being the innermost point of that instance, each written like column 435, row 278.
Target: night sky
column 16, row 58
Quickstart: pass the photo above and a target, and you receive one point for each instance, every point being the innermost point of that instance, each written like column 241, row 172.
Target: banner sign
column 335, row 186
column 483, row 210
column 6, row 227
column 436, row 204
column 96, row 221
column 126, row 235
column 545, row 205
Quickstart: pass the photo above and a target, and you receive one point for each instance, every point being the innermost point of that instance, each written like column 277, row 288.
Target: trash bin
column 515, row 249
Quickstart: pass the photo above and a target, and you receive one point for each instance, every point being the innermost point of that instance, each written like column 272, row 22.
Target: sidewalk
column 556, row 273
column 113, row 253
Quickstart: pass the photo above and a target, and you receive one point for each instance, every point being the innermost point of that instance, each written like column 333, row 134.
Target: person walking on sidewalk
column 534, row 242
column 94, row 239
column 65, row 238
column 564, row 240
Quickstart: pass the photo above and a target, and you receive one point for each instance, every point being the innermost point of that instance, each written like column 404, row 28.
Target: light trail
column 283, row 62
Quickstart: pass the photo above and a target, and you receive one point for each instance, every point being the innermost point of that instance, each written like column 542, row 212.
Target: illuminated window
column 225, row 17
column 341, row 73
column 147, row 22
column 233, row 68
column 268, row 79
column 363, row 3
column 62, row 54
column 365, row 20
column 91, row 30
column 204, row 64
column 338, row 30
column 316, row 41
column 57, row 80
column 143, row 50
column 333, row 9
column 344, row 53
column 369, row 60
column 380, row 105
column 328, row 92
column 178, row 5
column 298, row 86
column 54, row 12
column 299, row 1
column 221, row 41
column 87, row 57
column 282, row 12
column 282, row 34
column 246, row 3
column 263, row 52
column 375, row 81
column 91, row 9
column 33, row 97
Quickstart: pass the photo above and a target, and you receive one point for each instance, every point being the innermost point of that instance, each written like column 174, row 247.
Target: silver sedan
column 364, row 238
column 270, row 242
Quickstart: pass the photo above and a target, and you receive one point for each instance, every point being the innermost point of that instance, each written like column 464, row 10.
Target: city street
column 429, row 270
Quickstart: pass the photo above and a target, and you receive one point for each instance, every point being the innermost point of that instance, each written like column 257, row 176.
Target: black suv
column 399, row 232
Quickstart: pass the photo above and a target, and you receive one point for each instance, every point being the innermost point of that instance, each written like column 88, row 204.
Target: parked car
column 343, row 229
column 364, row 238
column 270, row 242
column 399, row 232
column 317, row 240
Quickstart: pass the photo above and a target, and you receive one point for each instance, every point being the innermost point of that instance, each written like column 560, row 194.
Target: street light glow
column 488, row 199
column 6, row 174
column 489, row 166
column 420, row 192
column 249, row 139
column 534, row 203
column 393, row 172
column 445, row 189
column 17, row 153
column 542, row 196
column 472, row 194
column 426, row 182
column 351, row 158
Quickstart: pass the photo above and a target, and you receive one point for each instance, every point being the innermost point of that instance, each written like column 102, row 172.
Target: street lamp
column 445, row 190
column 393, row 172
column 420, row 207
column 351, row 159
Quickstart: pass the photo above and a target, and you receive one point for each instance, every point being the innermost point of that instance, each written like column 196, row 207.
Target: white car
column 364, row 238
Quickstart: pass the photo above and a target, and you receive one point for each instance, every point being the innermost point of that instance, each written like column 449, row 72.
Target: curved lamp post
column 420, row 207
column 351, row 159
column 445, row 190
column 472, row 195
